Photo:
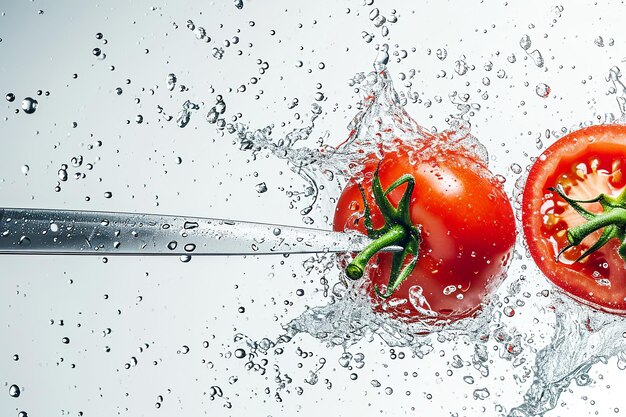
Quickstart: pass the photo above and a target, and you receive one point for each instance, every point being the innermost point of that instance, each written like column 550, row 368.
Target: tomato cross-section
column 575, row 186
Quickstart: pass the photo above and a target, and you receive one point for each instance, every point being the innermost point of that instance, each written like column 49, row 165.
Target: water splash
column 619, row 89
column 582, row 338
column 381, row 119
column 349, row 318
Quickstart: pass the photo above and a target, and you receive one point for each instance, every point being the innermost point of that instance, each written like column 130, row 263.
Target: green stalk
column 612, row 220
column 616, row 216
column 394, row 236
column 397, row 230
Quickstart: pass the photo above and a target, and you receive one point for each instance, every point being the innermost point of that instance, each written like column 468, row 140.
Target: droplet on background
column 537, row 58
column 599, row 41
column 29, row 105
column 542, row 90
column 14, row 391
column 261, row 188
column 171, row 81
column 525, row 42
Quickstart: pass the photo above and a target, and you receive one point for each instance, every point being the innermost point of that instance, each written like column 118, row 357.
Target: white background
column 187, row 304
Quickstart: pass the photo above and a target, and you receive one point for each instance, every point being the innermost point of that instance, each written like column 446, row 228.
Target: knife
column 70, row 232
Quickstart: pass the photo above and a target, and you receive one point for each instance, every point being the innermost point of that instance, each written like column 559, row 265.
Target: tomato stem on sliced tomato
column 397, row 230
column 612, row 220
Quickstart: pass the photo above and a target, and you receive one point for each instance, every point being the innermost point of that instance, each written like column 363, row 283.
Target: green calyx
column 398, row 230
column 612, row 219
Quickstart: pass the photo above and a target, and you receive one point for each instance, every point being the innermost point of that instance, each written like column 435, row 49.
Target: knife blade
column 71, row 232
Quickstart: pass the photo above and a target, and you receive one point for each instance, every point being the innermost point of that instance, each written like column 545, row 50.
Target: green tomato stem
column 395, row 235
column 616, row 216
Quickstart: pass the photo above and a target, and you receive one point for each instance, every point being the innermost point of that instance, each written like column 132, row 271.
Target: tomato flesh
column 467, row 232
column 586, row 163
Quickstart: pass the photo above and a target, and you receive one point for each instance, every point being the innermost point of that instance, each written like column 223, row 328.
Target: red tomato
column 467, row 232
column 586, row 164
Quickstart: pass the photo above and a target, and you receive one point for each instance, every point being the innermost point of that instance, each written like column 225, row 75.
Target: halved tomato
column 574, row 198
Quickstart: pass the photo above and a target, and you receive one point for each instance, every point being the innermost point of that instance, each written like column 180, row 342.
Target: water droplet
column 261, row 188
column 212, row 115
column 481, row 393
column 468, row 379
column 96, row 52
column 509, row 311
column 449, row 289
column 344, row 359
column 525, row 42
column 537, row 58
column 240, row 353
column 599, row 41
column 461, row 67
column 171, row 81
column 14, row 391
column 542, row 90
column 185, row 258
column 239, row 4
column 516, row 168
column 190, row 225
column 25, row 169
column 10, row 97
column 184, row 116
column 29, row 105
column 77, row 161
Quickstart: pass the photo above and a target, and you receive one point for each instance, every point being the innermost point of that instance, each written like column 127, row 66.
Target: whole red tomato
column 574, row 214
column 458, row 224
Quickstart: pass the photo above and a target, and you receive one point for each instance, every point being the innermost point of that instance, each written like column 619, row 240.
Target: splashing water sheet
column 262, row 112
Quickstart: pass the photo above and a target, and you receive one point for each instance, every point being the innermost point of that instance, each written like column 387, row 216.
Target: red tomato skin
column 601, row 140
column 468, row 232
